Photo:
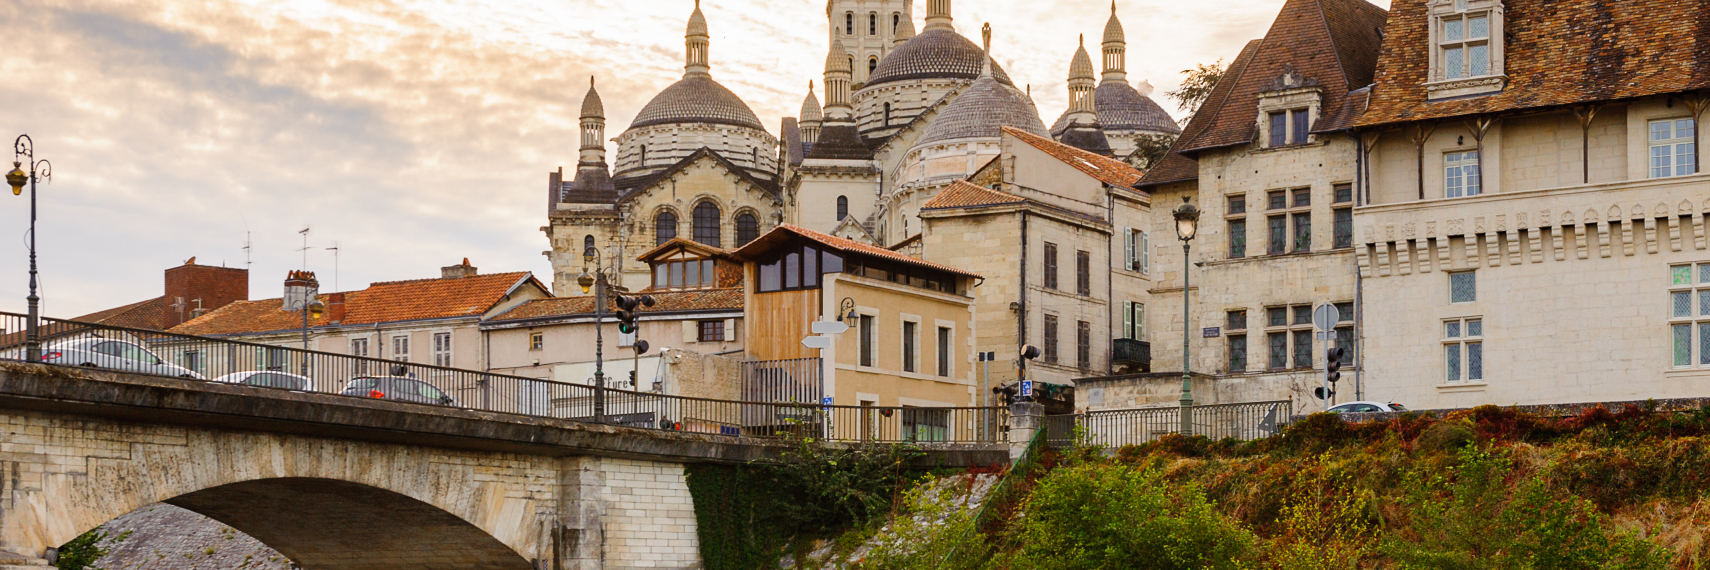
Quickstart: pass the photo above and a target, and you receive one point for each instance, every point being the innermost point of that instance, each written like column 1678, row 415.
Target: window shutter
column 729, row 330
column 1128, row 319
column 1145, row 252
column 1128, row 249
column 691, row 331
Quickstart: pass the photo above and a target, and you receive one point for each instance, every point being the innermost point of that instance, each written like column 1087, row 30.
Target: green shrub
column 934, row 531
column 82, row 551
column 1090, row 517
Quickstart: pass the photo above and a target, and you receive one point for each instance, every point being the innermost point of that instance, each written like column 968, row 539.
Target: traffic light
column 1333, row 364
column 627, row 309
column 1322, row 394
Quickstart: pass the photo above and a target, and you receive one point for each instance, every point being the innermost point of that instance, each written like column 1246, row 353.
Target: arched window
column 665, row 227
column 842, row 208
column 747, row 229
column 757, row 157
column 643, row 156
column 706, row 224
column 873, row 24
column 587, row 243
column 896, row 22
column 849, row 24
column 872, row 63
column 851, row 67
column 887, row 114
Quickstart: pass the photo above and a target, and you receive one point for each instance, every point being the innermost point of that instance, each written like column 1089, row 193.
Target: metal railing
column 264, row 366
column 1117, row 428
column 1130, row 351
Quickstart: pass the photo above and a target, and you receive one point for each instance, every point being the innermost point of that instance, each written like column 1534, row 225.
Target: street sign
column 1324, row 335
column 987, row 356
column 829, row 327
column 825, row 401
column 1325, row 317
column 1026, row 387
column 1212, row 332
column 820, row 342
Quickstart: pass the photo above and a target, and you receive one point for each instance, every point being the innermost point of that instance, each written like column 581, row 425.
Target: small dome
column 697, row 22
column 837, row 60
column 1121, row 108
column 697, row 99
column 810, row 106
column 934, row 54
column 592, row 108
column 982, row 112
column 1081, row 66
column 1113, row 28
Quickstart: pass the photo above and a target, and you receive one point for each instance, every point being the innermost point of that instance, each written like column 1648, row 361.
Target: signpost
column 1324, row 318
column 822, row 341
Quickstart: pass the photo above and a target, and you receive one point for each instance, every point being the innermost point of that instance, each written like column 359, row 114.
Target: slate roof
column 1122, row 108
column 1173, row 168
column 1325, row 42
column 766, row 242
column 1089, row 138
column 790, row 135
column 1107, row 170
column 592, row 185
column 934, row 54
column 709, row 300
column 380, row 303
column 697, row 99
column 962, row 194
column 1557, row 53
column 982, row 111
column 841, row 141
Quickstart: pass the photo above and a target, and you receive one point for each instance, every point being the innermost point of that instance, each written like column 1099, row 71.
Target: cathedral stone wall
column 670, row 143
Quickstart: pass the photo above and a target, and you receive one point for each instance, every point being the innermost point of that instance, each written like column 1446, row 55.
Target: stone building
column 1270, row 164
column 1127, row 119
column 1532, row 227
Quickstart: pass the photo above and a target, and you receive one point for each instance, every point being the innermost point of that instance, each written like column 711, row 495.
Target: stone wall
column 650, row 516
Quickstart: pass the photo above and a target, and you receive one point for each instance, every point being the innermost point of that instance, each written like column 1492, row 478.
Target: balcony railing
column 1117, row 428
column 1130, row 352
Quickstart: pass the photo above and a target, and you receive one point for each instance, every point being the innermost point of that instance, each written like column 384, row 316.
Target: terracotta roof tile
column 666, row 301
column 380, row 303
column 765, row 243
column 147, row 315
column 1325, row 42
column 1107, row 170
column 246, row 317
column 962, row 194
column 1557, row 53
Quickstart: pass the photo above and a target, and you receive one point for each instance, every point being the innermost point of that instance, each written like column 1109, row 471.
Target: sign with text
column 1213, row 332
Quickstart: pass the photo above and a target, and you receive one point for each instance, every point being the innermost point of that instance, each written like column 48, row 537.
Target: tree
column 1198, row 85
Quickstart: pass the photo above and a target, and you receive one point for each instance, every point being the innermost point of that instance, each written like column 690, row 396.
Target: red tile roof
column 1557, row 53
column 766, row 242
column 962, row 194
column 1107, row 170
column 386, row 302
column 1325, row 42
column 147, row 315
column 666, row 301
column 1178, row 167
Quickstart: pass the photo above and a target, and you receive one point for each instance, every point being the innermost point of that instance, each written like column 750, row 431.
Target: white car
column 1366, row 407
column 268, row 379
column 112, row 355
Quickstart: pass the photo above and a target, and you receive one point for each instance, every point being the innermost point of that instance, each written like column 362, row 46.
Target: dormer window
column 1287, row 111
column 1466, row 48
column 692, row 273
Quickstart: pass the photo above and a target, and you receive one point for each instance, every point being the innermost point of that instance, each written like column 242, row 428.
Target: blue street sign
column 825, row 401
column 1027, row 388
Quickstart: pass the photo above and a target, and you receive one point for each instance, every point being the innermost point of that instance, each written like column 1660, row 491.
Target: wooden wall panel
column 777, row 323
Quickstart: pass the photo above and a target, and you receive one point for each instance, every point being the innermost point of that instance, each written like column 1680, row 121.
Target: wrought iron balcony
column 1127, row 352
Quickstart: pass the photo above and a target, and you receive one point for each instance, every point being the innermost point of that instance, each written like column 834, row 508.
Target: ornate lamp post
column 25, row 148
column 311, row 309
column 1187, row 224
column 599, row 281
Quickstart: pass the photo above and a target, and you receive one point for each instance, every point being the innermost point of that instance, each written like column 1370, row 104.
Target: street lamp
column 312, row 309
column 25, row 148
column 598, row 280
column 1187, row 224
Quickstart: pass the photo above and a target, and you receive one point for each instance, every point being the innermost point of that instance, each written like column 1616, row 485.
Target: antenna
column 334, row 250
column 246, row 249
column 305, row 249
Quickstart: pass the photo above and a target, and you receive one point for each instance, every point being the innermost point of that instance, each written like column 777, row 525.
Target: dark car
column 397, row 388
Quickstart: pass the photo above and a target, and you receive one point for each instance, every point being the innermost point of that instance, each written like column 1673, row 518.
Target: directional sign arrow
column 829, row 327
column 817, row 342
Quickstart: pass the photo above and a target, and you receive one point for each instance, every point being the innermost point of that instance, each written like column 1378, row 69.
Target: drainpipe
column 1021, row 309
column 1110, row 282
column 1361, row 172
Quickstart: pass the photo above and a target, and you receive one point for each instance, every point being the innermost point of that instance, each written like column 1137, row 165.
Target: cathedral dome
column 1121, row 108
column 983, row 111
column 697, row 99
column 934, row 54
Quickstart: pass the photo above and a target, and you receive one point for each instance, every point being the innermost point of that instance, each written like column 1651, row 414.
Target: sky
column 412, row 134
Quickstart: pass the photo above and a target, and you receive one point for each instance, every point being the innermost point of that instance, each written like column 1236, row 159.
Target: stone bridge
column 340, row 483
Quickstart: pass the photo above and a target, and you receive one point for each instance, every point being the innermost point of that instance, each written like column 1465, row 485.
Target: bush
column 935, row 531
column 1112, row 516
column 82, row 551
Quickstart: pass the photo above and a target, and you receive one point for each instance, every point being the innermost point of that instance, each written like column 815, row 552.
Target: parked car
column 1366, row 407
column 112, row 355
column 270, row 379
column 397, row 388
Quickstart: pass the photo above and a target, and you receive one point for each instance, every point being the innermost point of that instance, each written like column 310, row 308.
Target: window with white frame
column 1466, row 48
column 1674, row 147
column 1460, row 174
column 1138, row 247
column 1689, row 314
column 1463, row 349
column 401, row 348
column 1133, row 320
column 442, row 349
column 359, row 349
column 1464, row 43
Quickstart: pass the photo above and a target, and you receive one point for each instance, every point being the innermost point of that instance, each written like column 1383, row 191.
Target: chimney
column 335, row 308
column 194, row 290
column 458, row 271
column 300, row 290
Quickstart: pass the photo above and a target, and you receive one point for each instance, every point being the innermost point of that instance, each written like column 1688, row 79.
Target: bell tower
column 867, row 30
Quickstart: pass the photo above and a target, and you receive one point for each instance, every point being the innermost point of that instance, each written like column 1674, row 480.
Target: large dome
column 1121, row 108
column 697, row 99
column 982, row 112
column 934, row 54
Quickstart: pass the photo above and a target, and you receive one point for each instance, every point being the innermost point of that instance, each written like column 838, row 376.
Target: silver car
column 268, row 379
column 112, row 355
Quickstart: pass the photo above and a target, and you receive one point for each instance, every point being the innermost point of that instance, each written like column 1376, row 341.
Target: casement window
column 359, row 349
column 1674, row 148
column 1342, row 193
column 664, row 227
column 1083, row 345
column 685, row 274
column 1463, row 287
column 1276, row 199
column 1083, row 273
column 1463, row 44
column 1279, row 129
column 442, row 349
column 1050, row 263
column 1342, row 226
column 1298, row 126
column 1302, row 349
column 1277, row 241
column 910, row 335
column 1288, row 333
column 1276, row 317
column 1235, row 320
column 711, row 331
column 1289, row 206
column 401, row 348
column 1133, row 320
column 1463, row 349
column 1137, row 250
column 1302, row 315
column 1302, row 197
column 707, row 224
column 747, row 229
column 944, row 351
column 1236, row 323
column 867, row 326
column 1289, row 127
column 536, row 341
column 1236, row 217
column 1460, row 174
column 1278, row 342
column 1051, row 338
column 1689, row 314
column 1303, row 231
